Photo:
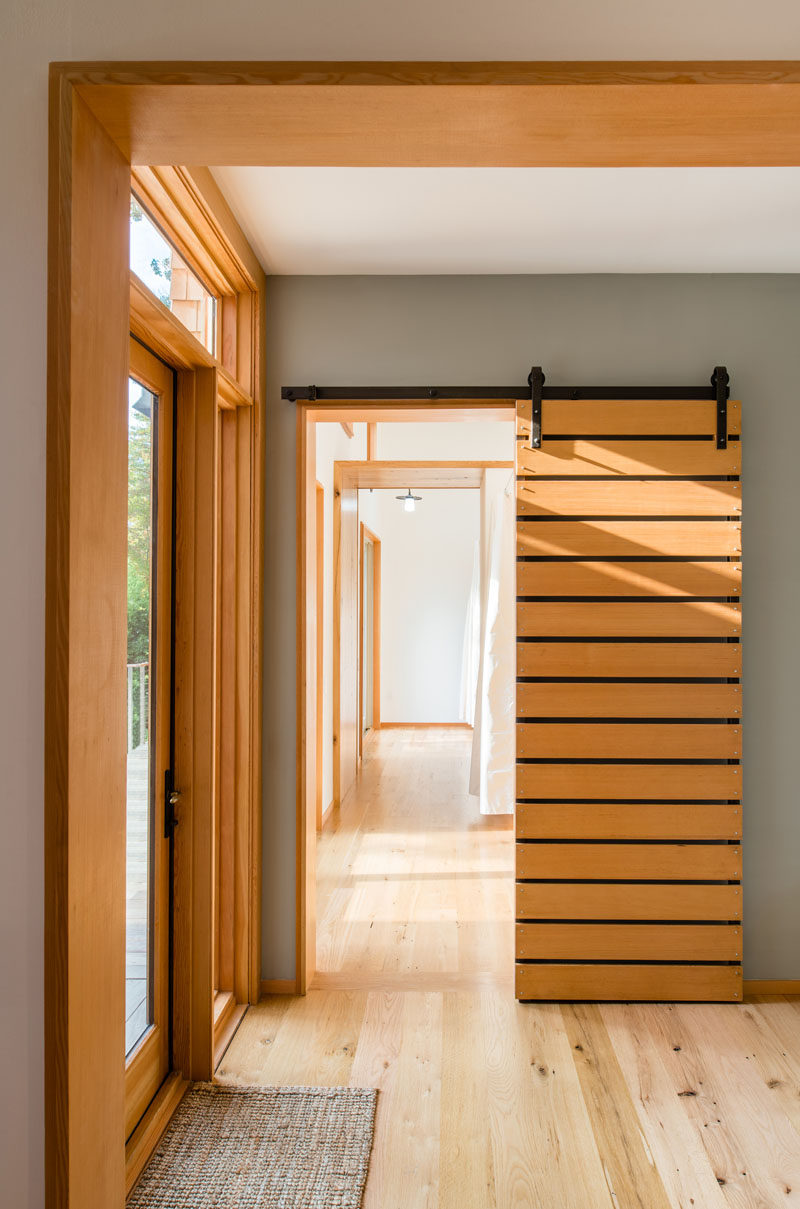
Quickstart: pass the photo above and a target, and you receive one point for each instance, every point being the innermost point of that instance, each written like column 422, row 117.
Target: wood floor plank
column 682, row 1161
column 630, row 1169
column 466, row 1162
column 752, row 1147
column 482, row 1103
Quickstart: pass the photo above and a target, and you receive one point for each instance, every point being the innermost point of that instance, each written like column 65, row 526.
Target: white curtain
column 493, row 742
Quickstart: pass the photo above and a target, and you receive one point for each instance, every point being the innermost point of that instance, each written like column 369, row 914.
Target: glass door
column 149, row 712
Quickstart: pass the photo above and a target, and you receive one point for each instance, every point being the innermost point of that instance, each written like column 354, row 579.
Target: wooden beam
column 347, row 428
column 372, row 442
column 428, row 475
column 449, row 114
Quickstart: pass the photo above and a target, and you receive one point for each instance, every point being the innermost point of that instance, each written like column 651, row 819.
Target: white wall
column 476, row 441
column 34, row 32
column 426, row 576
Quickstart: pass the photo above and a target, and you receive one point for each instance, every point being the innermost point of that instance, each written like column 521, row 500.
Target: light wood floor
column 485, row 1102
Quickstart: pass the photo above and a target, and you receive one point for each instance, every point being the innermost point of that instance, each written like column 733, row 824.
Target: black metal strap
column 536, row 383
column 720, row 380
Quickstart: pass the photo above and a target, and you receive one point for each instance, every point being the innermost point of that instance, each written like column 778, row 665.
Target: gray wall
column 612, row 329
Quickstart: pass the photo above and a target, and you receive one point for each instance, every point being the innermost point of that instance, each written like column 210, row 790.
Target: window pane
column 139, row 852
column 155, row 262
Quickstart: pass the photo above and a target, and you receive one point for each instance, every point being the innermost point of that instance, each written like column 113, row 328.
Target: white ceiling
column 519, row 220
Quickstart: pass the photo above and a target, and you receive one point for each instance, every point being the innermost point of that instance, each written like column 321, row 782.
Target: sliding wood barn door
column 629, row 734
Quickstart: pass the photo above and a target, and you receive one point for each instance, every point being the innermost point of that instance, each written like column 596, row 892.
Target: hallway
column 414, row 886
column 487, row 1102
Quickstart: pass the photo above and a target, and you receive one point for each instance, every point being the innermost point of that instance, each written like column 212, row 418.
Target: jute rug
column 262, row 1148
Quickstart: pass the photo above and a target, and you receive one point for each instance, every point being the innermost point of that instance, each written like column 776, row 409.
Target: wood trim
column 228, row 1024
column 425, row 726
column 155, row 326
column 189, row 205
column 376, row 633
column 306, row 570
column 413, row 411
column 347, row 428
column 368, row 535
column 346, row 611
column 278, row 986
column 402, row 73
column 150, row 1129
column 320, row 674
column 85, row 642
column 372, row 442
column 772, row 986
column 195, row 728
column 428, row 475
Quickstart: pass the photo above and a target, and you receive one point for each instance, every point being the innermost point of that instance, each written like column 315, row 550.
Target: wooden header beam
column 448, row 114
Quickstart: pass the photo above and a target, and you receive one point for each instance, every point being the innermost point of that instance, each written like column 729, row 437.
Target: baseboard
column 425, row 726
column 278, row 986
column 772, row 986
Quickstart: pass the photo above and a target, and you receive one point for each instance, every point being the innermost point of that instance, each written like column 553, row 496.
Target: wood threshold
column 279, row 986
column 149, row 1131
column 225, row 1029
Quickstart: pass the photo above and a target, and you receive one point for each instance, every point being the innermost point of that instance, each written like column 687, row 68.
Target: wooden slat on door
column 629, row 710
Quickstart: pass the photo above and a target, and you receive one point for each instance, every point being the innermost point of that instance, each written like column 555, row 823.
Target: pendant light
column 409, row 501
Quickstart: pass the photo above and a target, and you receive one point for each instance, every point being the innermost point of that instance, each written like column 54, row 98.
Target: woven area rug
column 262, row 1148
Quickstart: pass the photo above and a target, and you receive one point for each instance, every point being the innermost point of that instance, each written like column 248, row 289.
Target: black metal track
column 377, row 394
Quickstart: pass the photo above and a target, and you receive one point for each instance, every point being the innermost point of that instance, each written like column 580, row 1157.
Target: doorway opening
column 413, row 846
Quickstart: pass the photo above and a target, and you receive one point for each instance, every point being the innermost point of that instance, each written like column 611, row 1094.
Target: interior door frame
column 369, row 538
column 349, row 477
column 103, row 118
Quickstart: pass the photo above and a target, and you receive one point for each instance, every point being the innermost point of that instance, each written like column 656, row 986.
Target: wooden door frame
column 103, row 118
column 349, row 478
column 367, row 535
column 368, row 473
column 320, row 641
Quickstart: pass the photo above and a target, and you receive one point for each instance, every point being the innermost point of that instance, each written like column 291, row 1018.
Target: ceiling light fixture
column 409, row 501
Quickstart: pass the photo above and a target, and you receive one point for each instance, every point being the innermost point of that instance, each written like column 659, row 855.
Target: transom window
column 167, row 275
